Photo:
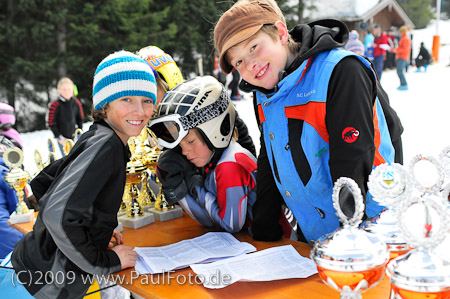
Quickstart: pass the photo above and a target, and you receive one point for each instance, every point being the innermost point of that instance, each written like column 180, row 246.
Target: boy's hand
column 119, row 239
column 173, row 170
column 126, row 254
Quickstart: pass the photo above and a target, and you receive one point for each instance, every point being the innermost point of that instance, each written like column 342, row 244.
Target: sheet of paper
column 282, row 262
column 206, row 248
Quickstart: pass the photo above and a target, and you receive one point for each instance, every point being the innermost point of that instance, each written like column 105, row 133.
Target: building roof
column 354, row 10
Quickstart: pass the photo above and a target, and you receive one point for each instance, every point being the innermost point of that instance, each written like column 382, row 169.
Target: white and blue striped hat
column 122, row 74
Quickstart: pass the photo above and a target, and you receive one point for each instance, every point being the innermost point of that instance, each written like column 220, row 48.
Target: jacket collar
column 313, row 38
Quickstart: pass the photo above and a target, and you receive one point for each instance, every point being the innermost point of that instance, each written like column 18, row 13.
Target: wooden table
column 24, row 227
column 166, row 286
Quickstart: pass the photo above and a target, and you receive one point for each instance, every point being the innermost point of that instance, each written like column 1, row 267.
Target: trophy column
column 134, row 217
column 162, row 210
column 17, row 179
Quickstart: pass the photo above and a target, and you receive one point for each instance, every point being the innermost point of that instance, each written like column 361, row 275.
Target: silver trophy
column 350, row 259
column 421, row 273
column 418, row 183
column 389, row 185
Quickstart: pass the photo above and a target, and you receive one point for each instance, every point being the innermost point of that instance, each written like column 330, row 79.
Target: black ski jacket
column 78, row 213
column 64, row 116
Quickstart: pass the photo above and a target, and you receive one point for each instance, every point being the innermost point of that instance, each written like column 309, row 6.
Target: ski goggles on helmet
column 172, row 128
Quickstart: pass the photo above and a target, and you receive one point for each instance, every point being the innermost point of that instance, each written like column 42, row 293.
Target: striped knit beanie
column 122, row 74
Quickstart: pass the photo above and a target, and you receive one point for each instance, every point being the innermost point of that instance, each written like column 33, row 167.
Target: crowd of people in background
column 390, row 50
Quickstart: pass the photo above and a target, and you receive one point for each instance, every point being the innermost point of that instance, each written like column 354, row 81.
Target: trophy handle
column 344, row 182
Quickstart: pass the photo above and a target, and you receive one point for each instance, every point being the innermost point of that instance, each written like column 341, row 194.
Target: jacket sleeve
column 350, row 100
column 229, row 208
column 80, row 114
column 52, row 118
column 245, row 140
column 267, row 208
column 8, row 235
column 68, row 210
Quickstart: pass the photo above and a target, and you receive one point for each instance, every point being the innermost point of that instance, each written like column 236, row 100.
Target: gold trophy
column 40, row 164
column 161, row 204
column 133, row 199
column 17, row 179
column 38, row 159
column 67, row 147
column 51, row 151
column 77, row 134
column 162, row 210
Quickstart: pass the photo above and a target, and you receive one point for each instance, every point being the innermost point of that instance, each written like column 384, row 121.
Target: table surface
column 166, row 285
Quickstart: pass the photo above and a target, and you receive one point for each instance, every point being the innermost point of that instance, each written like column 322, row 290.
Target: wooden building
column 361, row 14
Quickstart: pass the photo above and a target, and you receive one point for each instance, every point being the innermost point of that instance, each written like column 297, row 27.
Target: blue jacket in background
column 8, row 203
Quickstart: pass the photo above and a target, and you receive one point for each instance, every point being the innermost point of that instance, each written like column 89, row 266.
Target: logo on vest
column 305, row 94
column 350, row 134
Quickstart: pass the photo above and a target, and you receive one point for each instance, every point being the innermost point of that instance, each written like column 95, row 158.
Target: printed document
column 282, row 262
column 206, row 248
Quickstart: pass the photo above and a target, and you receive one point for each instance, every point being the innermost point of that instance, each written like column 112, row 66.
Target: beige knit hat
column 239, row 23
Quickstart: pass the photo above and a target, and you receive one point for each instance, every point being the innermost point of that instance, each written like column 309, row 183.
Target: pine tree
column 419, row 11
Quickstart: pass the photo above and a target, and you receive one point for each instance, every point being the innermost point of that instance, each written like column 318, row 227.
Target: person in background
column 65, row 114
column 10, row 138
column 7, row 121
column 78, row 213
column 234, row 86
column 392, row 36
column 203, row 168
column 411, row 36
column 218, row 74
column 403, row 53
column 423, row 59
column 368, row 44
column 380, row 44
column 8, row 202
column 368, row 39
column 354, row 44
column 304, row 92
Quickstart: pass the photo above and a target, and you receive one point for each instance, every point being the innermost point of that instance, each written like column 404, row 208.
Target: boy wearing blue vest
column 322, row 114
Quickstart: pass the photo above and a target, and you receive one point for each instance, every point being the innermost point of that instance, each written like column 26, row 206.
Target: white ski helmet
column 201, row 103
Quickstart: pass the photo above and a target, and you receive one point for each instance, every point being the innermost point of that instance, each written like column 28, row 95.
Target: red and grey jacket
column 64, row 116
column 229, row 192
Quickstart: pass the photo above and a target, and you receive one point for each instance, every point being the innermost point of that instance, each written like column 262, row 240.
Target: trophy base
column 176, row 212
column 147, row 208
column 120, row 227
column 14, row 218
column 121, row 213
column 137, row 222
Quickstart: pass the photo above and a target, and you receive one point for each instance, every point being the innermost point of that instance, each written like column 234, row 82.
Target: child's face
column 195, row 149
column 259, row 59
column 129, row 115
column 66, row 90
